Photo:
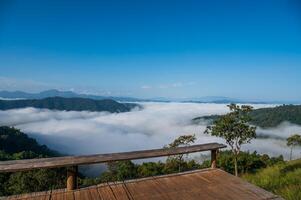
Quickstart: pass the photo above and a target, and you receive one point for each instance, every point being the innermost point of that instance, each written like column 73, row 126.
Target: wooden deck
column 199, row 184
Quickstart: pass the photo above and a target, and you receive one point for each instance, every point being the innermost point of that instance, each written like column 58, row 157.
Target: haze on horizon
column 175, row 49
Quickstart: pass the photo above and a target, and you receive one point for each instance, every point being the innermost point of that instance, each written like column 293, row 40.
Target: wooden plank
column 94, row 193
column 69, row 195
column 82, row 194
column 105, row 192
column 209, row 184
column 146, row 189
column 58, row 196
column 120, row 192
column 35, row 196
column 29, row 164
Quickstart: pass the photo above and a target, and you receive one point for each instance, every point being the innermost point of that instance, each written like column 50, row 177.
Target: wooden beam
column 213, row 158
column 29, row 164
column 72, row 178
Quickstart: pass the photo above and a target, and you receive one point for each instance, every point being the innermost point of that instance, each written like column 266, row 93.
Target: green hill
column 265, row 117
column 13, row 142
column 16, row 145
column 69, row 104
column 271, row 117
column 282, row 179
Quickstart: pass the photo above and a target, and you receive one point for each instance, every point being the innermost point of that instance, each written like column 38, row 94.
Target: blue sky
column 240, row 49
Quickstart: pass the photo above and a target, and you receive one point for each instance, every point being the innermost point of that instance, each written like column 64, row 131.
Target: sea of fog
column 154, row 126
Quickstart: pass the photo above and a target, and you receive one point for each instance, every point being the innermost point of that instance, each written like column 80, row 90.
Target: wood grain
column 209, row 184
column 29, row 164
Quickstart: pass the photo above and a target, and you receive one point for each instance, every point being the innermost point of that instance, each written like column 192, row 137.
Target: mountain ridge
column 264, row 117
column 9, row 95
column 69, row 104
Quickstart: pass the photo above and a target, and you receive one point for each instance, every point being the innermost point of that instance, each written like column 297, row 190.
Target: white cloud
column 153, row 127
column 146, row 87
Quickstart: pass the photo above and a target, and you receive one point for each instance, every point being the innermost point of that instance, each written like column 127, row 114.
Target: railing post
column 72, row 177
column 213, row 158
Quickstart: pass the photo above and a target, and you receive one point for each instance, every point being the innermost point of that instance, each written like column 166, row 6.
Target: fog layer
column 152, row 127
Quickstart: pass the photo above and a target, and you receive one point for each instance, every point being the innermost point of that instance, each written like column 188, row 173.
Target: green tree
column 293, row 141
column 235, row 129
column 177, row 160
column 150, row 169
column 119, row 171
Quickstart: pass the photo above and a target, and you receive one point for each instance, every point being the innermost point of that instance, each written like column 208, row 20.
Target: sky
column 169, row 48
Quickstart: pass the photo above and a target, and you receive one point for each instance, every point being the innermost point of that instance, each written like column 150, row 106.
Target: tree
column 234, row 128
column 292, row 141
column 181, row 141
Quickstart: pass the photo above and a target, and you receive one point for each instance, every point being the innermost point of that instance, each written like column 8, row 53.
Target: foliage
column 293, row 141
column 125, row 170
column 68, row 104
column 120, row 170
column 150, row 169
column 271, row 117
column 177, row 161
column 37, row 180
column 234, row 128
column 16, row 145
column 282, row 179
column 265, row 117
column 247, row 162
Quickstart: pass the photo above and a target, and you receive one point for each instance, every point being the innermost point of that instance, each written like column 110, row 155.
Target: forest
column 69, row 104
column 265, row 117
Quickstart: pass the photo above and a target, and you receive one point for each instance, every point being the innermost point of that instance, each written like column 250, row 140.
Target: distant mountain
column 69, row 104
column 221, row 100
column 9, row 95
column 57, row 93
column 264, row 117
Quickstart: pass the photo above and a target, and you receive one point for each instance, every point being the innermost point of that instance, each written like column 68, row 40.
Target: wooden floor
column 200, row 184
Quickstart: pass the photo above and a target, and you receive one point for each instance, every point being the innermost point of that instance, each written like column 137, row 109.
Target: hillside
column 265, row 117
column 281, row 179
column 14, row 141
column 16, row 145
column 69, row 104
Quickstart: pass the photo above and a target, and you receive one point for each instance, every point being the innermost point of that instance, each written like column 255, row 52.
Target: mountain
column 265, row 117
column 69, row 104
column 57, row 93
column 8, row 95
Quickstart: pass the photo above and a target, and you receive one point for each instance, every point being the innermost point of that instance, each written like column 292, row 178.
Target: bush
column 282, row 179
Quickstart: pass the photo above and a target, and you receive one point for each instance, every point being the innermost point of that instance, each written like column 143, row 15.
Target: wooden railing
column 72, row 162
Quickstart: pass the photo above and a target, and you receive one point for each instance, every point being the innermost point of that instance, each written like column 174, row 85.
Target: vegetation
column 16, row 145
column 184, row 140
column 271, row 117
column 234, row 128
column 123, row 170
column 282, row 179
column 265, row 117
column 69, row 104
column 293, row 141
column 246, row 162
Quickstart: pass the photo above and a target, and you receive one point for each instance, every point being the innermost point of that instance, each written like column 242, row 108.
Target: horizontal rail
column 67, row 161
